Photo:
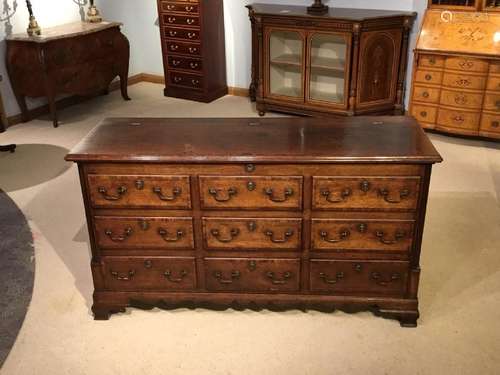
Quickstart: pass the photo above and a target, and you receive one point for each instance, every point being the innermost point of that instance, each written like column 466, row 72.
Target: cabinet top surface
column 240, row 140
column 460, row 32
column 68, row 30
column 336, row 13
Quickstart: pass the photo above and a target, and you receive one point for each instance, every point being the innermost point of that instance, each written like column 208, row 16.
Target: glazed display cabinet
column 468, row 5
column 347, row 62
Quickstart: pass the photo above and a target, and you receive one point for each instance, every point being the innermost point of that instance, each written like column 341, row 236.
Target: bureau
column 193, row 45
column 246, row 213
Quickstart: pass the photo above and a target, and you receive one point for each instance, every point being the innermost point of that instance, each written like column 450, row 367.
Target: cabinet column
column 400, row 93
column 354, row 69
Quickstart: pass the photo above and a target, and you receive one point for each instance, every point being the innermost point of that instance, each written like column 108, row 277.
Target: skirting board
column 132, row 80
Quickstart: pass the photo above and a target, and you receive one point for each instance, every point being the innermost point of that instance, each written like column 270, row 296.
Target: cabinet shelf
column 325, row 63
column 287, row 59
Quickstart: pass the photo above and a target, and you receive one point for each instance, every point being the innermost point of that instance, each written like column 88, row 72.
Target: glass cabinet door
column 328, row 71
column 453, row 3
column 492, row 5
column 286, row 50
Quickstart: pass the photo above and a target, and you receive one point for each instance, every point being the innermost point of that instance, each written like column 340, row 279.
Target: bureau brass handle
column 466, row 64
column 191, row 35
column 343, row 235
column 174, row 47
column 176, row 62
column 189, row 8
column 164, row 234
column 271, row 276
column 495, row 124
column 121, row 277
column 344, row 194
column 148, row 264
column 458, row 118
column 365, row 186
column 193, row 49
column 231, row 192
column 432, row 61
column 195, row 82
column 119, row 238
column 252, row 265
column 177, row 79
column 425, row 94
column 287, row 193
column 428, row 77
column 269, row 233
column 362, row 227
column 139, row 184
column 176, row 192
column 327, row 280
column 190, row 21
column 194, row 65
column 377, row 277
column 168, row 276
column 380, row 234
column 235, row 275
column 170, row 7
column 461, row 99
column 404, row 193
column 171, row 19
column 173, row 33
column 463, row 82
column 234, row 232
column 120, row 193
column 423, row 114
column 143, row 224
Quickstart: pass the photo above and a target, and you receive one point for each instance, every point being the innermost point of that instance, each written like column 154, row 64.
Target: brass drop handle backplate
column 216, row 194
column 191, row 35
column 377, row 277
column 428, row 77
column 423, row 114
column 381, row 235
column 123, row 277
column 171, row 19
column 176, row 192
column 425, row 94
column 344, row 194
column 168, row 275
column 287, row 193
column 233, row 233
column 252, row 265
column 365, row 186
column 278, row 281
column 459, row 118
column 166, row 237
column 190, row 21
column 148, row 264
column 327, row 280
column 189, row 8
column 139, row 184
column 385, row 193
column 119, row 238
column 235, row 275
column 343, row 235
column 269, row 233
column 120, row 191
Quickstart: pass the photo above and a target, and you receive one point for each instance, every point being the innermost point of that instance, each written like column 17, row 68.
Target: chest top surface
column 236, row 140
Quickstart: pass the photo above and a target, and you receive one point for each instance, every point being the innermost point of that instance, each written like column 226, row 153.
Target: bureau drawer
column 346, row 277
column 461, row 99
column 139, row 191
column 174, row 19
column 144, row 232
column 256, row 192
column 458, row 119
column 177, row 62
column 252, row 234
column 252, row 275
column 426, row 94
column 429, row 77
column 187, row 80
column 332, row 193
column 188, row 34
column 495, row 67
column 463, row 81
column 169, row 6
column 492, row 102
column 431, row 61
column 424, row 113
column 378, row 235
column 493, row 84
column 467, row 64
column 144, row 274
column 192, row 49
column 490, row 122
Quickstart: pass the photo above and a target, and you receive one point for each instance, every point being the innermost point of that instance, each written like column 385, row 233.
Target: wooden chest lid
column 248, row 140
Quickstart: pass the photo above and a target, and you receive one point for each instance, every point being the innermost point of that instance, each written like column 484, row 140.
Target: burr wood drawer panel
column 493, row 84
column 458, row 118
column 431, row 61
column 177, row 47
column 147, row 274
column 429, row 77
column 140, row 191
column 330, row 193
column 178, row 62
column 347, row 277
column 490, row 122
column 381, row 235
column 495, row 67
column 186, row 80
column 252, row 192
column 181, row 20
column 467, row 64
column 464, row 81
column 178, row 7
column 424, row 113
column 462, row 99
column 426, row 94
column 492, row 102
column 252, row 234
column 144, row 232
column 177, row 33
column 252, row 275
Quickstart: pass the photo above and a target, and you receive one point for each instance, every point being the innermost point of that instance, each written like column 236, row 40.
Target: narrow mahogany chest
column 257, row 213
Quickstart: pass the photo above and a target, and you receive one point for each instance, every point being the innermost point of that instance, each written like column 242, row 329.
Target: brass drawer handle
column 288, row 192
column 428, row 77
column 164, row 234
column 425, row 94
column 177, row 79
column 193, row 49
column 171, row 19
column 194, row 65
column 121, row 277
column 170, row 7
column 176, row 192
column 269, row 233
column 235, row 275
column 377, row 277
column 189, row 8
column 423, row 114
column 120, row 191
column 365, row 186
column 176, row 62
column 190, row 21
column 463, row 82
column 173, row 33
column 380, row 234
column 459, row 118
column 404, row 193
column 338, row 277
column 495, row 124
column 432, row 61
column 148, row 264
column 119, row 238
column 346, row 193
column 271, row 276
column 168, row 276
column 191, row 35
column 143, row 224
column 343, row 235
column 466, row 64
column 195, row 82
column 234, row 232
column 174, row 47
column 231, row 192
column 461, row 99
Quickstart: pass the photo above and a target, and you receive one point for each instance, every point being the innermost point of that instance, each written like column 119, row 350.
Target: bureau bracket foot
column 104, row 312
column 407, row 319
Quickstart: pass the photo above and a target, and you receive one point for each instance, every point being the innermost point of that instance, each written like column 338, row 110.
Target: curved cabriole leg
column 124, row 86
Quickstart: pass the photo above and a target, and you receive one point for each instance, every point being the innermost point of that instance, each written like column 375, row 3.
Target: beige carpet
column 459, row 332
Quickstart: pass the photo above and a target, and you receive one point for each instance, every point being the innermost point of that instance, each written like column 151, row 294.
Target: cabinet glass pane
column 464, row 3
column 285, row 54
column 328, row 68
column 492, row 5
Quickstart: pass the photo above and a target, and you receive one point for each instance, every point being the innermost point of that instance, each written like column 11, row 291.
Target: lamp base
column 93, row 15
column 33, row 28
column 317, row 9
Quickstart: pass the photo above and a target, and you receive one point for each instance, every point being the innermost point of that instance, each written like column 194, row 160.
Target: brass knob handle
column 365, row 186
column 269, row 233
column 343, row 235
column 176, row 192
column 164, row 234
column 327, row 280
column 423, row 114
column 233, row 233
column 432, row 61
column 121, row 191
column 287, row 193
column 344, row 194
column 119, row 238
column 215, row 193
column 428, row 77
column 425, row 94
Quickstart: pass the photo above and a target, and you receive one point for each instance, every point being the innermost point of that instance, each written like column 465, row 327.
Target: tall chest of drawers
column 244, row 213
column 193, row 45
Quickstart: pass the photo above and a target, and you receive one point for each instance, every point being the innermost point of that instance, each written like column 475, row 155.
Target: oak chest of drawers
column 193, row 45
column 245, row 213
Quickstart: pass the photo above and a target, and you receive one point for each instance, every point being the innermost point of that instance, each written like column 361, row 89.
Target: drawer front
column 186, row 80
column 380, row 235
column 424, row 113
column 259, row 192
column 431, row 61
column 467, row 64
column 458, row 119
column 490, row 123
column 429, row 77
column 332, row 193
column 191, row 49
column 426, row 94
column 144, row 232
column 461, row 99
column 345, row 277
column 177, row 62
column 188, row 8
column 492, row 102
column 495, row 67
column 252, row 234
column 252, row 275
column 187, row 34
column 463, row 81
column 140, row 191
column 180, row 20
column 493, row 84
column 145, row 274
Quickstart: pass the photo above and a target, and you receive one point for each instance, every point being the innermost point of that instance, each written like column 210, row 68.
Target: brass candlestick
column 317, row 8
column 33, row 28
column 93, row 14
